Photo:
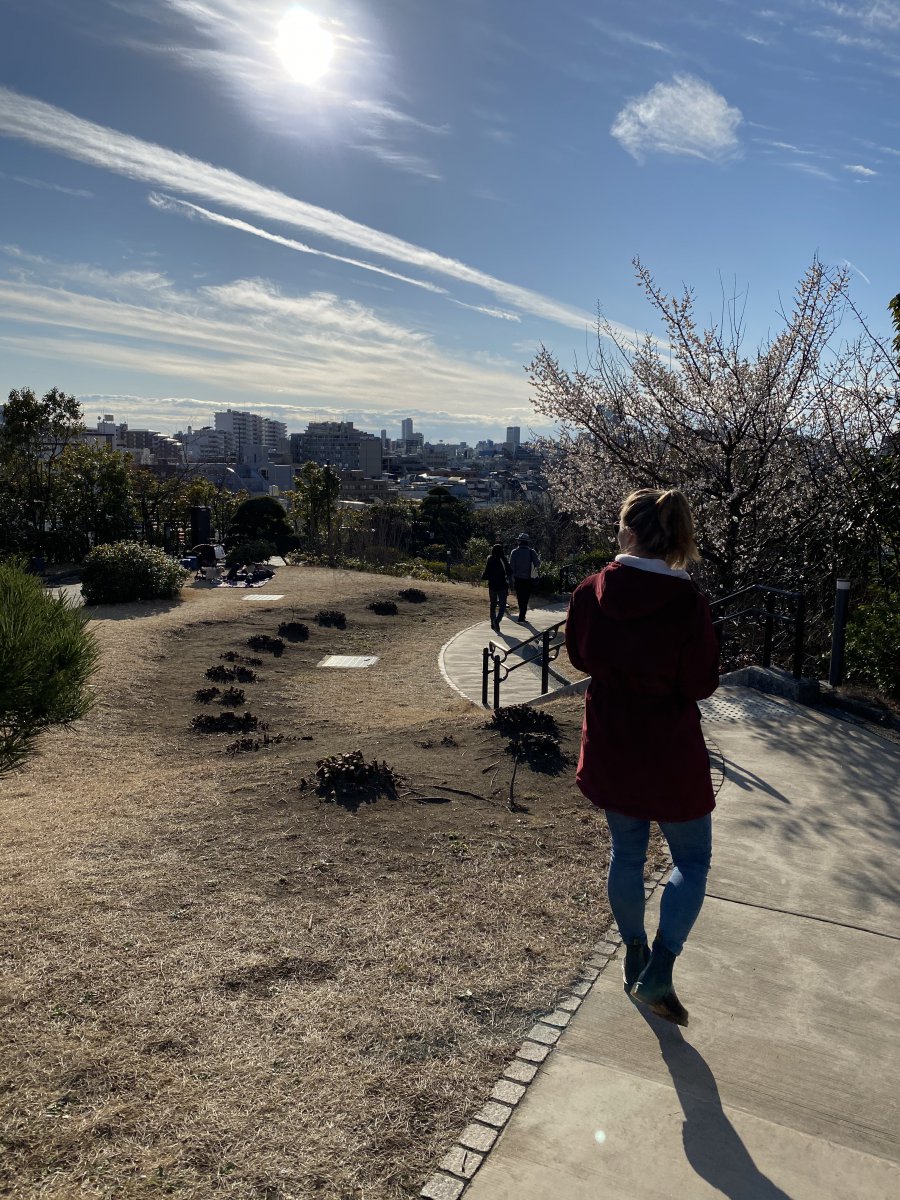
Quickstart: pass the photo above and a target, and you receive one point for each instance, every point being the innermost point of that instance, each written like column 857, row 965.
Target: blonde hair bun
column 662, row 523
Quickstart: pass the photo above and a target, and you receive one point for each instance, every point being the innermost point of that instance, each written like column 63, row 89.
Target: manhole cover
column 349, row 660
column 722, row 707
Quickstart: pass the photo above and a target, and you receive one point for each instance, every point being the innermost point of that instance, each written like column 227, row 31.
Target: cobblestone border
column 459, row 1165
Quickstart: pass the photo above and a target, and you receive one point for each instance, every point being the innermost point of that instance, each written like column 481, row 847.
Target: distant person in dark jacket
column 525, row 565
column 497, row 572
column 642, row 630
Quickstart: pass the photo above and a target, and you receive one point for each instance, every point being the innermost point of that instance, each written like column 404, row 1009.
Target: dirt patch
column 217, row 984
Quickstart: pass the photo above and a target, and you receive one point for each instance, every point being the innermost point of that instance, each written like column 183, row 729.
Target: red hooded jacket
column 647, row 641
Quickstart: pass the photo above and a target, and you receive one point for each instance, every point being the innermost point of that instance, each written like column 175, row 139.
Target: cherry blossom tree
column 776, row 448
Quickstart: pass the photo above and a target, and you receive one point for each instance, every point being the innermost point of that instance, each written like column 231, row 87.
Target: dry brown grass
column 216, row 985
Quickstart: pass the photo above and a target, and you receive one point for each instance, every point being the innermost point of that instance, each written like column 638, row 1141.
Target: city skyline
column 108, row 421
column 361, row 212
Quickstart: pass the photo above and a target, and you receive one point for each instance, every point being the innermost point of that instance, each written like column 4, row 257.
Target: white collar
column 655, row 565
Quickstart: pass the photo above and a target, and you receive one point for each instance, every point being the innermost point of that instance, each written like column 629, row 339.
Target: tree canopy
column 774, row 446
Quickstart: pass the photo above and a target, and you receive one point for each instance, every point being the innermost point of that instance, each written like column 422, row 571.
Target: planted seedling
column 348, row 779
column 413, row 595
column 522, row 718
column 384, row 608
column 232, row 656
column 227, row 722
column 232, row 697
column 229, row 674
column 247, row 745
column 262, row 641
column 333, row 617
column 206, row 695
column 294, row 631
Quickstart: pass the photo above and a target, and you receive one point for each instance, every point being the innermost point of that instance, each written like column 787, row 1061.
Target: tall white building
column 406, row 429
column 249, row 429
column 513, row 433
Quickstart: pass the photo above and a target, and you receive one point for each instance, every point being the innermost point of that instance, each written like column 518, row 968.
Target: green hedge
column 873, row 643
column 126, row 571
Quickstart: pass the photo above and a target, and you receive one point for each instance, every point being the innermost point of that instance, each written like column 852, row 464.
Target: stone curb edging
column 459, row 1165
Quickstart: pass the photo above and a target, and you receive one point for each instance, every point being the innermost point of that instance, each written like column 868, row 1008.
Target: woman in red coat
column 643, row 632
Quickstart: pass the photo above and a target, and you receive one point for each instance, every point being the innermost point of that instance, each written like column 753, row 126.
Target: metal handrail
column 494, row 657
column 797, row 619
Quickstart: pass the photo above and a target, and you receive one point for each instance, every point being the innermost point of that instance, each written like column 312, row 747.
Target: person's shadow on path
column 711, row 1143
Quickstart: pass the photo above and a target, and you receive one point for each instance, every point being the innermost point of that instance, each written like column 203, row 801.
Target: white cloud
column 244, row 337
column 43, row 185
column 810, row 169
column 856, row 169
column 233, row 42
column 686, row 117
column 55, row 129
column 618, row 34
column 854, row 267
column 185, row 208
column 876, row 14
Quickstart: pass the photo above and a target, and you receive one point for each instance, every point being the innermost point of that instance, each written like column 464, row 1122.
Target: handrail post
column 767, row 638
column 799, row 634
column 839, row 625
column 485, row 656
column 545, row 662
column 496, row 682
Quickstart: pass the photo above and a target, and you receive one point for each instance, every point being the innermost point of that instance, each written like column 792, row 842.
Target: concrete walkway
column 786, row 1085
column 461, row 657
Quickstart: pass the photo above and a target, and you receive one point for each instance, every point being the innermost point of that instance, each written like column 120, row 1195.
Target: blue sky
column 380, row 208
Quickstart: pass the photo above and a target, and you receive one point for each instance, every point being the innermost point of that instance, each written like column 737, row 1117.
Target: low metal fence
column 547, row 644
column 770, row 613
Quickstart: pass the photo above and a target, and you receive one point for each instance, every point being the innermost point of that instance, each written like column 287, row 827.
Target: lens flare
column 304, row 46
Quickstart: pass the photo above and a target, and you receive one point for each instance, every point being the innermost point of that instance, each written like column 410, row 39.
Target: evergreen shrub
column 121, row 572
column 46, row 658
column 873, row 643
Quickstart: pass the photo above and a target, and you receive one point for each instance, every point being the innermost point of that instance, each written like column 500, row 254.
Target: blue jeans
column 690, row 844
column 498, row 604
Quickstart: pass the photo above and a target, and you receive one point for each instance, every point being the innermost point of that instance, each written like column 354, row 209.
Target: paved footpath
column 786, row 1085
column 461, row 658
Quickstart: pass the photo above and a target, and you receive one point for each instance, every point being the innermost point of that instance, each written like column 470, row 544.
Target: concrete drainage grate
column 348, row 660
column 721, row 707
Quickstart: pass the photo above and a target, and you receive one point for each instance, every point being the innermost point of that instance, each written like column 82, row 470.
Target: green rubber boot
column 654, row 986
column 637, row 955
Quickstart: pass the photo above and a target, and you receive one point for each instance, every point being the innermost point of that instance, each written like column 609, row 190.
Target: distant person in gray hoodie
column 525, row 565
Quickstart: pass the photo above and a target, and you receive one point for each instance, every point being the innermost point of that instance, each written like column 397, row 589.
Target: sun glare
column 304, row 46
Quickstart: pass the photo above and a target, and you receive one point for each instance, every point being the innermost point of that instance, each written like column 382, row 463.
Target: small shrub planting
column 233, row 657
column 294, row 631
column 348, row 778
column 535, row 747
column 232, row 697
column 221, row 674
column 262, row 641
column 413, row 595
column 333, row 617
column 127, row 571
column 227, row 722
column 206, row 695
column 384, row 608
column 522, row 718
column 247, row 745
